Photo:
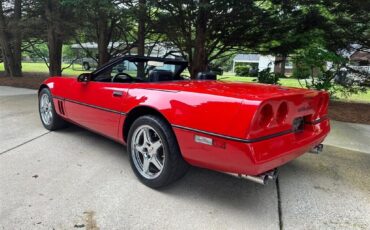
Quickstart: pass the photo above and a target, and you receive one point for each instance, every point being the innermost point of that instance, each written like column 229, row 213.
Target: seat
column 160, row 75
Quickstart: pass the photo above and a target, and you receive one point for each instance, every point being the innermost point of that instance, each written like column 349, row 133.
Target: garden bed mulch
column 354, row 112
column 338, row 110
column 29, row 80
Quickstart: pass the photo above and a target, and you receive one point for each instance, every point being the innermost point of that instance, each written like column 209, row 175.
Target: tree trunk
column 103, row 41
column 17, row 48
column 280, row 63
column 55, row 46
column 141, row 36
column 6, row 66
column 283, row 63
column 12, row 61
column 55, row 42
column 199, row 62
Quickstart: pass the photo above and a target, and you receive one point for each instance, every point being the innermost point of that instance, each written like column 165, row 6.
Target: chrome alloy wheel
column 147, row 152
column 46, row 109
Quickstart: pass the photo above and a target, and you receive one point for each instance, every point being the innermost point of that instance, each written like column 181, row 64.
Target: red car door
column 96, row 106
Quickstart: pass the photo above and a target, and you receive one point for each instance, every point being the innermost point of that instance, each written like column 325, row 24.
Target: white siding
column 266, row 61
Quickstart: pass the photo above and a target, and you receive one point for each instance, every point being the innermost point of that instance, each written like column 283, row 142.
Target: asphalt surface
column 75, row 179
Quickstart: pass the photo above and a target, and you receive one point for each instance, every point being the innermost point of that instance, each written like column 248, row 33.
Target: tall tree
column 52, row 22
column 297, row 23
column 206, row 29
column 200, row 59
column 109, row 23
column 141, row 16
column 53, row 16
column 335, row 24
column 348, row 23
column 11, row 38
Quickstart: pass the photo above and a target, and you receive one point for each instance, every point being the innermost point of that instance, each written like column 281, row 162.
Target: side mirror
column 84, row 77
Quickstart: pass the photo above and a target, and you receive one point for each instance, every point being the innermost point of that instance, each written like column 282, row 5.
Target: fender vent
column 61, row 107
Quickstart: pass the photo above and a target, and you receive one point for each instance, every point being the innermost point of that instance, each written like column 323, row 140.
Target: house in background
column 261, row 62
column 358, row 56
column 358, row 59
column 361, row 59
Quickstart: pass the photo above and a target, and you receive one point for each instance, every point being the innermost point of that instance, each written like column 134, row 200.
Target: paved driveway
column 74, row 179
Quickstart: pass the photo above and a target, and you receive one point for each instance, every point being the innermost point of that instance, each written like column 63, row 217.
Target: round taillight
column 266, row 115
column 282, row 113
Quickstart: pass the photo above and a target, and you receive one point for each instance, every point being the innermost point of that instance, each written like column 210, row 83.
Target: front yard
column 40, row 67
column 40, row 70
column 293, row 82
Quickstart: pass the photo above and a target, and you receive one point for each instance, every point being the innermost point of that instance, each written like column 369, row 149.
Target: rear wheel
column 154, row 153
column 49, row 118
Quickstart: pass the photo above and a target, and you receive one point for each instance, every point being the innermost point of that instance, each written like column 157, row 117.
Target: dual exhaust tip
column 317, row 149
column 264, row 178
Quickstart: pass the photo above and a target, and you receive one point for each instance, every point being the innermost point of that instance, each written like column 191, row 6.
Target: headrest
column 160, row 75
column 206, row 76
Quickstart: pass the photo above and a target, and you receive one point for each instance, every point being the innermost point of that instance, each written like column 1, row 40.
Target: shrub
column 265, row 76
column 338, row 77
column 253, row 72
column 242, row 70
column 301, row 72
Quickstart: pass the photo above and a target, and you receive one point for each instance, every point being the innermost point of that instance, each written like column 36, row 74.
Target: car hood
column 241, row 90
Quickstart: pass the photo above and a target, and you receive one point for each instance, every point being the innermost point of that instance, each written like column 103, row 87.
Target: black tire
column 174, row 167
column 86, row 66
column 56, row 121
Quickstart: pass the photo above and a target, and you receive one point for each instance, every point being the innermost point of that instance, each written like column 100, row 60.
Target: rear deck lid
column 241, row 90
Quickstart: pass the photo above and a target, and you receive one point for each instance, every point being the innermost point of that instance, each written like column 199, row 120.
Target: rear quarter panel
column 212, row 113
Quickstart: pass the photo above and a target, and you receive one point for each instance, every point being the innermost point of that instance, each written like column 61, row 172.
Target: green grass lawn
column 292, row 82
column 227, row 76
column 42, row 68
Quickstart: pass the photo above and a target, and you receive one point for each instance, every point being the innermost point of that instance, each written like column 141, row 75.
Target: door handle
column 117, row 93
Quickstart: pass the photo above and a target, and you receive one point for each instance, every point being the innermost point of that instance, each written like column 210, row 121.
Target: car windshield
column 137, row 70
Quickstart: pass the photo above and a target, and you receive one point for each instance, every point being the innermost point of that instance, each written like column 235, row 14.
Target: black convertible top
column 137, row 58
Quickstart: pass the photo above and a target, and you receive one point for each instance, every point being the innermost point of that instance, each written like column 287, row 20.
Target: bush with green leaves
column 225, row 63
column 312, row 66
column 301, row 72
column 265, row 76
column 242, row 70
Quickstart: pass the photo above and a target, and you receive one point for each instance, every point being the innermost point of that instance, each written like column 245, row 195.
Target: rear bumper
column 249, row 158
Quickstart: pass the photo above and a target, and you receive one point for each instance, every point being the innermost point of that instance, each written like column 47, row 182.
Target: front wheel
column 49, row 118
column 154, row 153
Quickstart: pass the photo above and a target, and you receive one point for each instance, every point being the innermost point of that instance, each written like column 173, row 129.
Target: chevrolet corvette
column 169, row 122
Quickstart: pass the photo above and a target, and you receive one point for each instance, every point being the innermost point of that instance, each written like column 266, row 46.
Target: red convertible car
column 169, row 122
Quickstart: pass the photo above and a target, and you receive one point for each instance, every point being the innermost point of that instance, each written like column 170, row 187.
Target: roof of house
column 361, row 56
column 246, row 58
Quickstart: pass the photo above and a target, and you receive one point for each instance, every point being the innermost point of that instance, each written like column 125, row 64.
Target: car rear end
column 284, row 126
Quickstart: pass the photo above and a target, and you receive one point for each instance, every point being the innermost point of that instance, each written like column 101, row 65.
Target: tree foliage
column 11, row 36
column 321, row 69
column 207, row 29
column 51, row 22
column 204, row 32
